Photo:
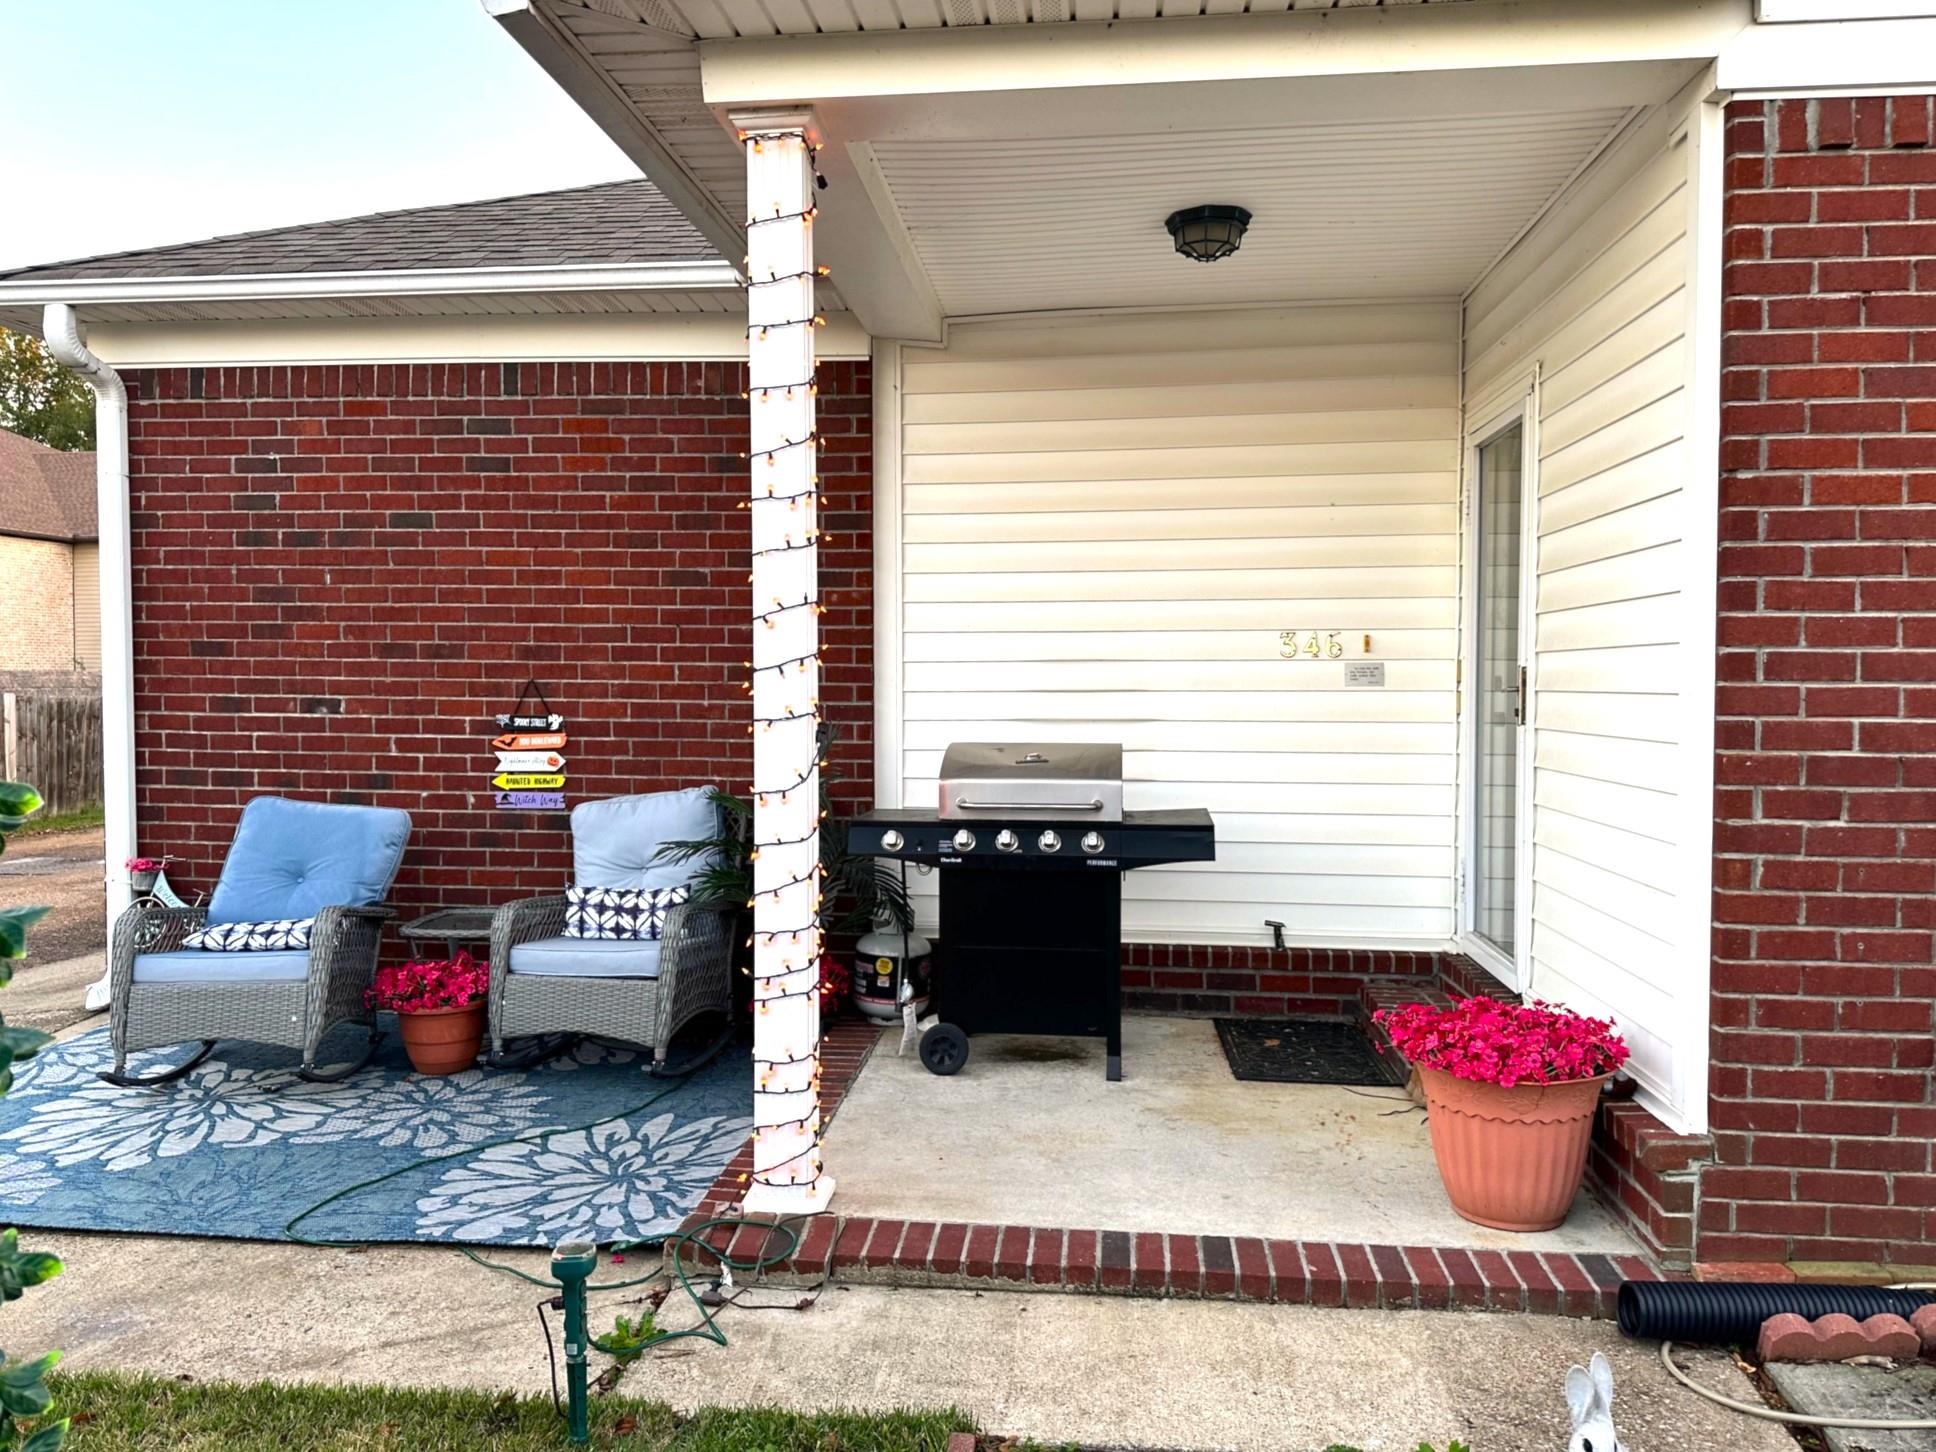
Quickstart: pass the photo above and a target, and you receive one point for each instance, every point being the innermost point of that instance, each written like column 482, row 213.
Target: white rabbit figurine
column 1589, row 1396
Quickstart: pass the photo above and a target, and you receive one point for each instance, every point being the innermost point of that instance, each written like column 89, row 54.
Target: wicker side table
column 455, row 928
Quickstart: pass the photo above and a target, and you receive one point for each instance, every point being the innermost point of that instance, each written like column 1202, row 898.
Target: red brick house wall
column 1825, row 813
column 342, row 574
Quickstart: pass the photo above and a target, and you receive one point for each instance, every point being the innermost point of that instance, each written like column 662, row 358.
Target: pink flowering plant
column 148, row 864
column 420, row 987
column 1508, row 1044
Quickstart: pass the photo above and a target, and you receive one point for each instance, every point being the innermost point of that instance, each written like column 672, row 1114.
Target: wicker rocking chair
column 633, row 991
column 289, row 859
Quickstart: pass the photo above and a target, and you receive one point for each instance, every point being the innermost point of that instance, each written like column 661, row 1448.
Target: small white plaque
column 1365, row 673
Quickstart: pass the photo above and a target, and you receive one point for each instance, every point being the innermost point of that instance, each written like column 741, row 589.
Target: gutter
column 690, row 276
column 62, row 333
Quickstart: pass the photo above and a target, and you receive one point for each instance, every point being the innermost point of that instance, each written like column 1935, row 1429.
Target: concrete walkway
column 1098, row 1371
column 64, row 873
column 48, row 996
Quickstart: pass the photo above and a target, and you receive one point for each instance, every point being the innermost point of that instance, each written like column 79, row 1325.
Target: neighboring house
column 50, row 610
column 1520, row 543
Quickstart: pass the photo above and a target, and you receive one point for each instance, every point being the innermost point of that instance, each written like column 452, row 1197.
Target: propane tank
column 879, row 969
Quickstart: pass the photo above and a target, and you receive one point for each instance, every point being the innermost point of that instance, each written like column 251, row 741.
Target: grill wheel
column 944, row 1049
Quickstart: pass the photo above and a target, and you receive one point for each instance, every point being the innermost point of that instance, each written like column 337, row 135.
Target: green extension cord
column 532, row 1136
column 675, row 1243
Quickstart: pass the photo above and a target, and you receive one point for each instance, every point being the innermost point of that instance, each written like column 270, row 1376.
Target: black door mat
column 1300, row 1051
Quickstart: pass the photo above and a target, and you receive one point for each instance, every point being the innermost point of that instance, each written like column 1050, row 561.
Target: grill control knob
column 892, row 841
column 1092, row 842
column 1049, row 842
column 964, row 840
column 1007, row 841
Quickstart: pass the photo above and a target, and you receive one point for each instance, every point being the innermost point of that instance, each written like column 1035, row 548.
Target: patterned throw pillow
column 620, row 912
column 252, row 937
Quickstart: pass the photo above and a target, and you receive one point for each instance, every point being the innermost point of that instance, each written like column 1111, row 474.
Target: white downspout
column 62, row 332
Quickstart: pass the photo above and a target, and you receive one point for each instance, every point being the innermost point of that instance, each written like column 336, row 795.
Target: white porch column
column 787, row 1178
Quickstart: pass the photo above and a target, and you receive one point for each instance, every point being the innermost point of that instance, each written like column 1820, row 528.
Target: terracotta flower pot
column 1512, row 1158
column 443, row 1040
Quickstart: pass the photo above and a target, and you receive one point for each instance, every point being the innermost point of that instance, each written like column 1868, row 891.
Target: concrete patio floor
column 1101, row 1372
column 1030, row 1133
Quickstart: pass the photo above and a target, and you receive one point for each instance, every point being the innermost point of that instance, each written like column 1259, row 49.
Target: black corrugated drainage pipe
column 1731, row 1312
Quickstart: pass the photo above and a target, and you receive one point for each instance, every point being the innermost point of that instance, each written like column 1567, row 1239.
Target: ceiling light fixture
column 1208, row 233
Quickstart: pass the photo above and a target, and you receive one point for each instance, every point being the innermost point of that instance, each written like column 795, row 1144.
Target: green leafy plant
column 17, row 803
column 629, row 1337
column 859, row 891
column 23, row 1384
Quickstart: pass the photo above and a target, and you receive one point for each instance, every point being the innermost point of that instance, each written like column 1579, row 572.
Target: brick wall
column 37, row 607
column 1239, row 981
column 1825, row 845
column 342, row 574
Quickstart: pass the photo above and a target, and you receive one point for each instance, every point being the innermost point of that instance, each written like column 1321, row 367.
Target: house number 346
column 1311, row 644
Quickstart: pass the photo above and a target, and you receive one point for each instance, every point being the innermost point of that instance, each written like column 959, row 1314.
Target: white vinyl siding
column 1105, row 525
column 1596, row 300
column 87, row 605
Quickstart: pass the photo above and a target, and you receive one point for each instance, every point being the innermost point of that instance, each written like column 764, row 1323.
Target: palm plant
column 858, row 891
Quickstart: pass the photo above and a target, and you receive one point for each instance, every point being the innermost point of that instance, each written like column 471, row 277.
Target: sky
column 131, row 123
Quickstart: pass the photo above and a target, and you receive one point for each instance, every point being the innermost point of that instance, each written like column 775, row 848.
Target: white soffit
column 1342, row 210
column 721, row 19
column 644, row 49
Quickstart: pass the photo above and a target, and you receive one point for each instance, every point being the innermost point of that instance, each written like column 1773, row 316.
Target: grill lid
column 984, row 781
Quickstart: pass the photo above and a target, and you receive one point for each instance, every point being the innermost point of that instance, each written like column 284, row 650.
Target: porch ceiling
column 1340, row 210
column 643, row 55
column 993, row 154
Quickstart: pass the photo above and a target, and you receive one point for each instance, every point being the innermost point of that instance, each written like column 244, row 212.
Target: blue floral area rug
column 241, row 1146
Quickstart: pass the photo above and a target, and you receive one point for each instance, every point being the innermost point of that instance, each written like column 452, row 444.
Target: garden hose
column 1729, row 1311
column 1789, row 1419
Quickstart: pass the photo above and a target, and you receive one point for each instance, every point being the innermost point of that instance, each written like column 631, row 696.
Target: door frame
column 1517, row 402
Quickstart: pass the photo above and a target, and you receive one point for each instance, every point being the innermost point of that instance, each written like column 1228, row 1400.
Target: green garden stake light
column 572, row 1264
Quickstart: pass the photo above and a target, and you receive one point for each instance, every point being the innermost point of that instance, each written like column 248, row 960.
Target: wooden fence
column 53, row 742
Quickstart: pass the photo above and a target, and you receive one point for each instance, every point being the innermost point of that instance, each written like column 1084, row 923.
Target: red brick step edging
column 864, row 1250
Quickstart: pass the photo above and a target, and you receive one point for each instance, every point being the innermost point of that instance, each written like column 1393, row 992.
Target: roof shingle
column 45, row 493
column 610, row 222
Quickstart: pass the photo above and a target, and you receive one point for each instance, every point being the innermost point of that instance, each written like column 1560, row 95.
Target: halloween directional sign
column 529, row 761
column 529, row 744
column 523, row 741
column 532, row 801
column 528, row 781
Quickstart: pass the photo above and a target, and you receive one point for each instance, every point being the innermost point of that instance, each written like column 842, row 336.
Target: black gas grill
column 1032, row 843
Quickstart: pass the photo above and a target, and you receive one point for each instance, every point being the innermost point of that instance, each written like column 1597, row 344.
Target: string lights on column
column 783, row 675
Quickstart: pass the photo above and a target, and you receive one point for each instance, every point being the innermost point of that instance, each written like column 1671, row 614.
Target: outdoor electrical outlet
column 572, row 1264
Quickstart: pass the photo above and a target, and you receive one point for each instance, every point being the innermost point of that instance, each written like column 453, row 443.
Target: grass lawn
column 115, row 1413
column 72, row 821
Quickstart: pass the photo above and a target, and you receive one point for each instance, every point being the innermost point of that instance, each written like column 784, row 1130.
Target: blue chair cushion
column 207, row 965
column 614, row 842
column 291, row 859
column 587, row 958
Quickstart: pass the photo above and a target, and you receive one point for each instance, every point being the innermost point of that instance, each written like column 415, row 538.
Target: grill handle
column 1094, row 804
